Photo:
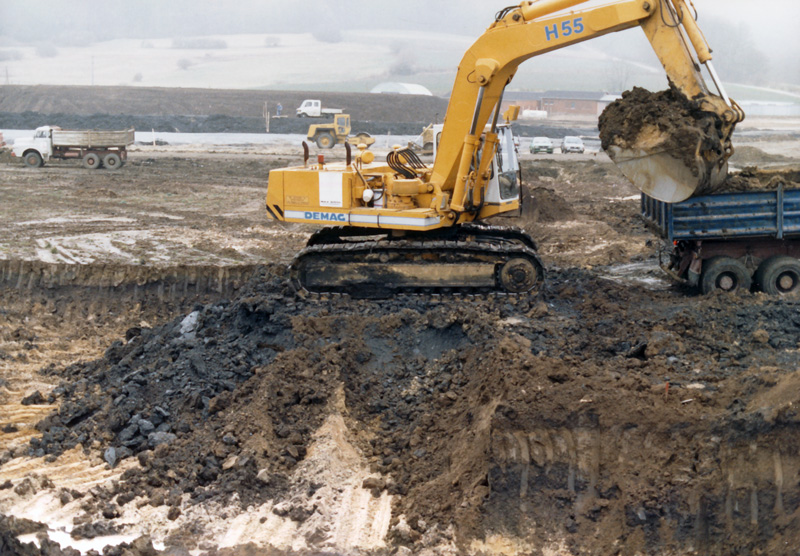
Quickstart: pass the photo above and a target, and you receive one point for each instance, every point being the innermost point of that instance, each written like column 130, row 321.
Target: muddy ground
column 162, row 377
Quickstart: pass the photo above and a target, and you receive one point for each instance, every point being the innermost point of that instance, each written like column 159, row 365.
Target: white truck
column 96, row 149
column 313, row 109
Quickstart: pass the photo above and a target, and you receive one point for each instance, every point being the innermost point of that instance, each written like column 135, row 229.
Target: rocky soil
column 599, row 417
column 154, row 405
column 753, row 179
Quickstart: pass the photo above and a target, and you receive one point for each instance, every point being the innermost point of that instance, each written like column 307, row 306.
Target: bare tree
column 618, row 77
column 739, row 57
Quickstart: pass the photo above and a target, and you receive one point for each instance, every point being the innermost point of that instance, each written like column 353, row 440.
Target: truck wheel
column 362, row 137
column 112, row 161
column 33, row 160
column 91, row 161
column 779, row 276
column 724, row 273
column 325, row 141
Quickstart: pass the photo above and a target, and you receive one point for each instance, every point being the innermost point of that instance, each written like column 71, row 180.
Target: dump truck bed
column 68, row 138
column 749, row 214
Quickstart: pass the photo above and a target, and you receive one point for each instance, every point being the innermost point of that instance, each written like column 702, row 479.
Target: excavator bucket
column 669, row 147
column 664, row 171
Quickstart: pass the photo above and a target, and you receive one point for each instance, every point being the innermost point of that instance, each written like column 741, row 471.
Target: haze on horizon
column 752, row 46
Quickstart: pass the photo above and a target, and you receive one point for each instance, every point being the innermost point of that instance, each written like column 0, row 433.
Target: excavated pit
column 599, row 417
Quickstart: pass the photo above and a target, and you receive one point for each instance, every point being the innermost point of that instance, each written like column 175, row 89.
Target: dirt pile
column 600, row 417
column 543, row 204
column 539, row 201
column 679, row 121
column 753, row 179
column 747, row 155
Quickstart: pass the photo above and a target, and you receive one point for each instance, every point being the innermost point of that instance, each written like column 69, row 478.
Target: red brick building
column 561, row 103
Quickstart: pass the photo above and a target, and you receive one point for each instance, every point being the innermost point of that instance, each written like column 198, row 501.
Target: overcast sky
column 770, row 24
column 772, row 21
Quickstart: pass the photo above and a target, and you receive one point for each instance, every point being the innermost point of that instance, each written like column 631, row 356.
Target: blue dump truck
column 731, row 241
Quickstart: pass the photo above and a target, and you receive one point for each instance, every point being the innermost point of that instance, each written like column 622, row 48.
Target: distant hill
column 211, row 110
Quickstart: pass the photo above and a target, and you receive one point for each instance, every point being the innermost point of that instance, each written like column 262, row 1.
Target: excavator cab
column 503, row 184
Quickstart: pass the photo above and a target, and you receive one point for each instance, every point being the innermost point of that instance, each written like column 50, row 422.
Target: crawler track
column 467, row 259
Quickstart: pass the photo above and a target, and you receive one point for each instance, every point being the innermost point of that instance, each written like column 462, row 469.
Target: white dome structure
column 400, row 88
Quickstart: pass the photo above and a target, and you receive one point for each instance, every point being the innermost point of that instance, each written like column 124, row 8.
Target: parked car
column 570, row 144
column 541, row 145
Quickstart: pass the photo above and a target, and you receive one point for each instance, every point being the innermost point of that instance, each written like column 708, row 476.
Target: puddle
column 646, row 273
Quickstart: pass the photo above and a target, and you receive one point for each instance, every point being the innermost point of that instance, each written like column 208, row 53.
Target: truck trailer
column 731, row 241
column 96, row 149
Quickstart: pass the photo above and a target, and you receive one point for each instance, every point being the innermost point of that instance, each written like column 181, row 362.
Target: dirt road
column 173, row 383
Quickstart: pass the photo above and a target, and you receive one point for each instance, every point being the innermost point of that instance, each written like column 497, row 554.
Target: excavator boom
column 536, row 28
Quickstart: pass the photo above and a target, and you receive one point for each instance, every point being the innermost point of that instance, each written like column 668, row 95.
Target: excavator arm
column 535, row 28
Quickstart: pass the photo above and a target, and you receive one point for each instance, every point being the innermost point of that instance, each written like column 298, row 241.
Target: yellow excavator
column 400, row 226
